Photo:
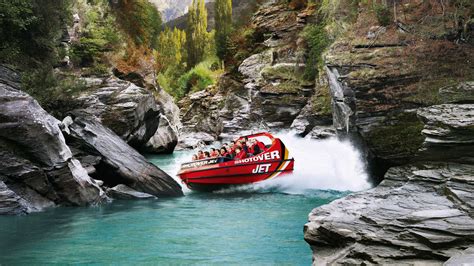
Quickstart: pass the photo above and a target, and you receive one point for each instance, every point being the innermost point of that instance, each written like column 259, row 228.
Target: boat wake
column 320, row 165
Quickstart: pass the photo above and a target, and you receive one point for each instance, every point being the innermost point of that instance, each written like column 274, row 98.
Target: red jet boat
column 219, row 173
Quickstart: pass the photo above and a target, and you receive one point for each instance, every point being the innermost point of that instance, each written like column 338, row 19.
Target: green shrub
column 384, row 16
column 317, row 41
column 30, row 31
column 98, row 37
column 53, row 92
column 198, row 78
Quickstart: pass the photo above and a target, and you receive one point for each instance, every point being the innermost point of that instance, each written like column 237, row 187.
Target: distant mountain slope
column 172, row 9
column 242, row 11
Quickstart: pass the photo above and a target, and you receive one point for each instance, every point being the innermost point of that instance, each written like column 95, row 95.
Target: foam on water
column 319, row 165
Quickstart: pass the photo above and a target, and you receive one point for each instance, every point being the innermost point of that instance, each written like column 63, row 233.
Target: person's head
column 195, row 157
column 200, row 152
column 238, row 149
column 207, row 154
column 213, row 150
column 223, row 150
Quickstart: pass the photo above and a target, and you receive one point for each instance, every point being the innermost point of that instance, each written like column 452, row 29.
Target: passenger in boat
column 195, row 157
column 207, row 155
column 223, row 155
column 200, row 155
column 232, row 147
column 240, row 154
column 243, row 145
column 214, row 153
column 253, row 147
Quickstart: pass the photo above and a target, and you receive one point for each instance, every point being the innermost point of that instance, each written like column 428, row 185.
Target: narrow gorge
column 102, row 111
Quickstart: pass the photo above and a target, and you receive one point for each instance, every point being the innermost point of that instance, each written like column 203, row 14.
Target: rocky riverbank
column 407, row 103
column 47, row 163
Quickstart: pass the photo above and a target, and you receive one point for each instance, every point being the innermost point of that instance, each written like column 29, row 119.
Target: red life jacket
column 200, row 157
column 251, row 149
column 241, row 155
column 261, row 146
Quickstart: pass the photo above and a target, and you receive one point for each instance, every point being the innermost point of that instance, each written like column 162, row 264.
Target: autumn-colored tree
column 223, row 18
column 139, row 19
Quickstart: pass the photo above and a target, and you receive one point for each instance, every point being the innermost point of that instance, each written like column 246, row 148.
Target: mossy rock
column 286, row 87
column 398, row 139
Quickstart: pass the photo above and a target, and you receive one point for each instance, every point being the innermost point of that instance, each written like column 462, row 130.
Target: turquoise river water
column 251, row 226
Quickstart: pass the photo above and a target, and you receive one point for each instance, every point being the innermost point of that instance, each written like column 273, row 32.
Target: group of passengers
column 236, row 150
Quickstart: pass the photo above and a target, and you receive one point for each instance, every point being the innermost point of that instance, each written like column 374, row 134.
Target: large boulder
column 419, row 213
column 36, row 166
column 146, row 118
column 118, row 162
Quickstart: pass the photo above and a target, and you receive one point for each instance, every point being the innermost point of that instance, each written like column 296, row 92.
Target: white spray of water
column 319, row 165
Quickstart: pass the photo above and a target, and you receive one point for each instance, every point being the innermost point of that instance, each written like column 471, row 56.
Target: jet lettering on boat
column 273, row 155
column 262, row 168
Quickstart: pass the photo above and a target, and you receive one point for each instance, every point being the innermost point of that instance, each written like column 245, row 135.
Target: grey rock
column 252, row 67
column 409, row 218
column 10, row 203
column 465, row 258
column 322, row 132
column 120, row 163
column 459, row 93
column 132, row 112
column 192, row 140
column 123, row 192
column 35, row 162
column 449, row 132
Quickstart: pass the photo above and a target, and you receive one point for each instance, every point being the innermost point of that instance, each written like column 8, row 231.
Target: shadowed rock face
column 10, row 202
column 147, row 122
column 419, row 213
column 119, row 163
column 37, row 169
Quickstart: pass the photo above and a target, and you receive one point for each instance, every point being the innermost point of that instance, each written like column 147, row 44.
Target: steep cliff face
column 403, row 93
column 269, row 90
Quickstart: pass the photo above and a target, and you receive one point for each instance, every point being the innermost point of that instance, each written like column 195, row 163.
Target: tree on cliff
column 171, row 48
column 223, row 18
column 196, row 32
column 31, row 31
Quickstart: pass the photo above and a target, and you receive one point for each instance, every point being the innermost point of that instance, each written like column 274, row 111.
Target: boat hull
column 210, row 175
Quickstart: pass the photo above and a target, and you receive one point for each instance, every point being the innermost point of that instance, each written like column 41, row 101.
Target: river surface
column 254, row 225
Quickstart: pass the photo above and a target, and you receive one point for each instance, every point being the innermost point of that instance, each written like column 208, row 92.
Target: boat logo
column 273, row 155
column 198, row 163
column 262, row 168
